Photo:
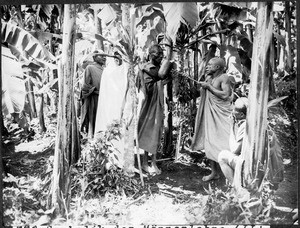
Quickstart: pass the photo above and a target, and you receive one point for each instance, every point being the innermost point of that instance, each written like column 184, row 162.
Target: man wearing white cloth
column 112, row 93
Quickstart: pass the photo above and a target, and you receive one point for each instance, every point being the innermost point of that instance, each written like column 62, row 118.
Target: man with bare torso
column 212, row 127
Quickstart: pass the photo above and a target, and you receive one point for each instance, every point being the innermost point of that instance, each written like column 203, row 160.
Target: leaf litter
column 177, row 196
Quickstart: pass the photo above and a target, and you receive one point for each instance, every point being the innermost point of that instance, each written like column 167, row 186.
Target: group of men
column 101, row 80
column 216, row 132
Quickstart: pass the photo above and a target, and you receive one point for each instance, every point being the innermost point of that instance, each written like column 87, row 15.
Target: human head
column 156, row 54
column 240, row 108
column 214, row 65
column 99, row 57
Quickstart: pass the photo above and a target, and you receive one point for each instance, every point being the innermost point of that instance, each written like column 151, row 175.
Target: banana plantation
column 54, row 173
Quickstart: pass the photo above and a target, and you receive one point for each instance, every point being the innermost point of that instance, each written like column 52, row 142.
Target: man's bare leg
column 154, row 165
column 145, row 165
column 214, row 175
column 227, row 170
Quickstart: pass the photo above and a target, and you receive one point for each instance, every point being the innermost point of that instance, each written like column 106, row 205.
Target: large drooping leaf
column 43, row 13
column 25, row 42
column 46, row 36
column 245, row 43
column 233, row 61
column 185, row 12
column 149, row 35
column 248, row 5
column 148, row 7
column 229, row 13
column 107, row 14
column 32, row 63
column 150, row 15
column 13, row 88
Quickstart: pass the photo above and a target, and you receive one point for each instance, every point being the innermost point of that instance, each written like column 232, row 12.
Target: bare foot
column 138, row 172
column 157, row 171
column 152, row 170
column 210, row 177
column 146, row 168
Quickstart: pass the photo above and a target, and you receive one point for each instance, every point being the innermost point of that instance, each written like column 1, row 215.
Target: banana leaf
column 13, row 88
column 185, row 12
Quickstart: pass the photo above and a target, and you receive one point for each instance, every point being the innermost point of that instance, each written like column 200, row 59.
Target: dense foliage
column 100, row 189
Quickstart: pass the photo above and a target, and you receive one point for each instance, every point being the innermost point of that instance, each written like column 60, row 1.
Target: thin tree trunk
column 272, row 90
column 277, row 45
column 54, row 97
column 249, row 32
column 31, row 98
column 98, row 26
column 75, row 150
column 1, row 150
column 41, row 115
column 178, row 143
column 168, row 139
column 195, row 85
column 65, row 134
column 203, row 45
column 253, row 149
column 288, row 37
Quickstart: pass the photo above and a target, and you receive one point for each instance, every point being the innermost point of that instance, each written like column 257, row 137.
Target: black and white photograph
column 149, row 114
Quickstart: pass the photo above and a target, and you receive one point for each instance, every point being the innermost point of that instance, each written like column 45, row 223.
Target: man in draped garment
column 112, row 92
column 150, row 124
column 90, row 92
column 212, row 125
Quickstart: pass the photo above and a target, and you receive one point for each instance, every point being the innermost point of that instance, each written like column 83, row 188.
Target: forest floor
column 178, row 196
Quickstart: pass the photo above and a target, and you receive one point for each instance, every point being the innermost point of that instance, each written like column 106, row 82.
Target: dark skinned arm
column 165, row 66
column 225, row 91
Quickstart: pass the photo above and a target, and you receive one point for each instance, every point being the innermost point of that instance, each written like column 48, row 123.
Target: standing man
column 90, row 92
column 150, row 123
column 212, row 126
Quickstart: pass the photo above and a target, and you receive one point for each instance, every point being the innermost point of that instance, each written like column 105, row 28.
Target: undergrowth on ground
column 98, row 170
column 103, row 194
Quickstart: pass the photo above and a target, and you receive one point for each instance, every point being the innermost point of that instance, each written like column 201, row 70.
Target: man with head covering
column 90, row 92
column 150, row 123
column 212, row 125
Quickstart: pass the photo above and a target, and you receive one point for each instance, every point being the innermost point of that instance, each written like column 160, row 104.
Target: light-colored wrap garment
column 212, row 126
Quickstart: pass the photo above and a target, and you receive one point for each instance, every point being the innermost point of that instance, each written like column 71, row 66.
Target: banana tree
column 67, row 140
column 254, row 147
column 127, row 42
column 30, row 52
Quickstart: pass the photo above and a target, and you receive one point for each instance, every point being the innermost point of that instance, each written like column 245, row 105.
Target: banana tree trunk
column 253, row 149
column 130, row 110
column 66, row 139
column 180, row 106
column 31, row 98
